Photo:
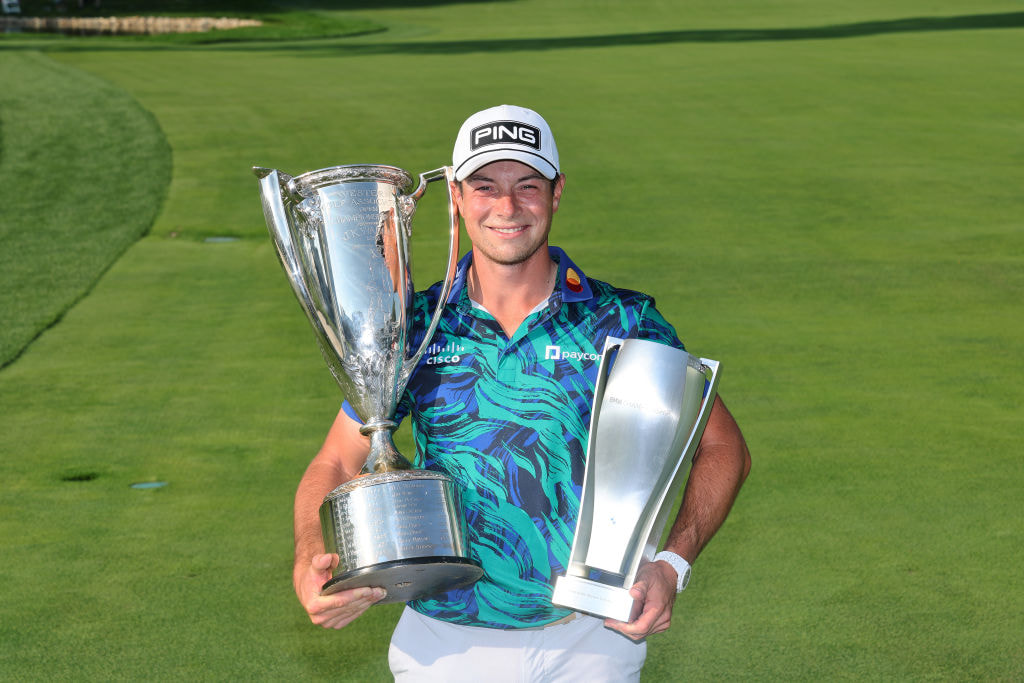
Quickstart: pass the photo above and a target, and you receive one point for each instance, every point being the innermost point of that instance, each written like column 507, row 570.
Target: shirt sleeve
column 350, row 411
column 400, row 412
column 653, row 326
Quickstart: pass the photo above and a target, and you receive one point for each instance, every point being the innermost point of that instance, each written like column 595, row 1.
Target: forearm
column 339, row 460
column 719, row 468
column 313, row 568
column 320, row 478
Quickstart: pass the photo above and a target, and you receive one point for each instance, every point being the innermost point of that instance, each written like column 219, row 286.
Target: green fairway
column 825, row 198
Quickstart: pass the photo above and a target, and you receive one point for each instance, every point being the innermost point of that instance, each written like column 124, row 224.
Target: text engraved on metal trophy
column 637, row 405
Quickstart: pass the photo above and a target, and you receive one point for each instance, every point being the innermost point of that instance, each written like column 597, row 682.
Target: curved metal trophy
column 651, row 405
column 342, row 235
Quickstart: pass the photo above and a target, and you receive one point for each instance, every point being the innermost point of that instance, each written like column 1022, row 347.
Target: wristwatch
column 681, row 566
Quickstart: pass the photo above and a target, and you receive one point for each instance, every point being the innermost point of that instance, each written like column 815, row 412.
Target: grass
column 836, row 219
column 85, row 171
column 210, row 548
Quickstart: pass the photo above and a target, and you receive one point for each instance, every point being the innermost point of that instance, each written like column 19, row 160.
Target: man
column 508, row 418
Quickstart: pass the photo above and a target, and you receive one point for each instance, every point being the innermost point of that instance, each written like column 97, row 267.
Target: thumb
column 324, row 563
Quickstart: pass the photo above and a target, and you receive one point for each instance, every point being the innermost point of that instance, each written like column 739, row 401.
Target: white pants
column 425, row 649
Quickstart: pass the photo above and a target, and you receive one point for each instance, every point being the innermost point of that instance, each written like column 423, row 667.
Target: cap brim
column 531, row 159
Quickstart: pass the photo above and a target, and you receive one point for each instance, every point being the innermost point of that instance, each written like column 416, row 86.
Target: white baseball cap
column 505, row 132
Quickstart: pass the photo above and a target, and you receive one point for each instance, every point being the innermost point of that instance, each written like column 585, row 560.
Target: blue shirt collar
column 571, row 285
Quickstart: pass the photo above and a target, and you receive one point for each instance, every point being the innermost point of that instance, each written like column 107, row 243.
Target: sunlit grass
column 838, row 220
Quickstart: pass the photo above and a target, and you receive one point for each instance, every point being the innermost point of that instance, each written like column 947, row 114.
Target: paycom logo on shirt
column 555, row 352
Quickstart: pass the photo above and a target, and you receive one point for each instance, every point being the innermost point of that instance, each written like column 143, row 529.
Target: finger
column 337, row 610
column 637, row 630
column 321, row 569
column 324, row 563
column 338, row 618
column 628, row 630
column 657, row 616
column 654, row 617
column 347, row 598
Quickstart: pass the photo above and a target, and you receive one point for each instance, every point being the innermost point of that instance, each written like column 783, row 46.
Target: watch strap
column 678, row 563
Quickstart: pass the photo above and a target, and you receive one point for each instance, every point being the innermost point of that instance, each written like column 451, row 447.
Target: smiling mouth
column 509, row 231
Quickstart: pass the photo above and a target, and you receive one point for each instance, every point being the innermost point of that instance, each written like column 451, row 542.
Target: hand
column 338, row 609
column 655, row 590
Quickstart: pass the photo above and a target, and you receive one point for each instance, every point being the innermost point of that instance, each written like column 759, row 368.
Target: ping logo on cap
column 504, row 132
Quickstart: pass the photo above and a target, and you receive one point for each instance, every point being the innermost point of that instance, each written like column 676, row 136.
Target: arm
column 720, row 466
column 339, row 460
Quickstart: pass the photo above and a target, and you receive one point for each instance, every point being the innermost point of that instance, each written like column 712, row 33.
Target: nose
column 506, row 204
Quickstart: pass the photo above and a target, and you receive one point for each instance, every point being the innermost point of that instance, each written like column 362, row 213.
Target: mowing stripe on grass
column 85, row 170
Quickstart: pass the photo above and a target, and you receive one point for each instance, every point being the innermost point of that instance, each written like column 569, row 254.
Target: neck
column 510, row 292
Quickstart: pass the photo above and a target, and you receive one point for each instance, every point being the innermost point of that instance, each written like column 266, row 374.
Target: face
column 507, row 207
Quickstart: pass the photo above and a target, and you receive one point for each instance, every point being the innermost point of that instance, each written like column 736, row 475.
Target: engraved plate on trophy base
column 414, row 552
column 592, row 597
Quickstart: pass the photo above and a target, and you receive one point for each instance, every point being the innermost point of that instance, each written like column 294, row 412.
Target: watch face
column 684, row 579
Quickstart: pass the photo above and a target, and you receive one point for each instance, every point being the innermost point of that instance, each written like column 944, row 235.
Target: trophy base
column 409, row 579
column 598, row 599
column 402, row 531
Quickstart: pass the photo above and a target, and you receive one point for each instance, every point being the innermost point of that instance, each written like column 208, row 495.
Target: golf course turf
column 827, row 199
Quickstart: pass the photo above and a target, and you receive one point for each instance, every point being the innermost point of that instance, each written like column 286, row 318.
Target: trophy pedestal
column 599, row 599
column 406, row 580
column 415, row 550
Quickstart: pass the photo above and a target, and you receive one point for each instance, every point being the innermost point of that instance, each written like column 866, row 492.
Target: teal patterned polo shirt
column 508, row 419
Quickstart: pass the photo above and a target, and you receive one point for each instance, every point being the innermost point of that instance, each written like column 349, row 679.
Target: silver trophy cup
column 342, row 235
column 651, row 405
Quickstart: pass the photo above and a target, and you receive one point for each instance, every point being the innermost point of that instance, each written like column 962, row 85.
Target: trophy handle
column 275, row 188
column 272, row 184
column 448, row 174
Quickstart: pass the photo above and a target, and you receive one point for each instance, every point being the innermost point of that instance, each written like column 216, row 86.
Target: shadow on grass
column 382, row 4
column 967, row 22
column 868, row 28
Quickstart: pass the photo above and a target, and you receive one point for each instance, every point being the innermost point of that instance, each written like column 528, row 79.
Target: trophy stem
column 383, row 457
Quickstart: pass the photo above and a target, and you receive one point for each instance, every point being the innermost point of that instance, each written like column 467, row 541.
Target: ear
column 455, row 188
column 556, row 195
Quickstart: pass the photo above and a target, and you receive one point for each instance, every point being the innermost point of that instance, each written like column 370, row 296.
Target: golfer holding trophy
column 510, row 369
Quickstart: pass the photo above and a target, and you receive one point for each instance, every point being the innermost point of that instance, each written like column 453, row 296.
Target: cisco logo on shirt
column 442, row 355
column 556, row 353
